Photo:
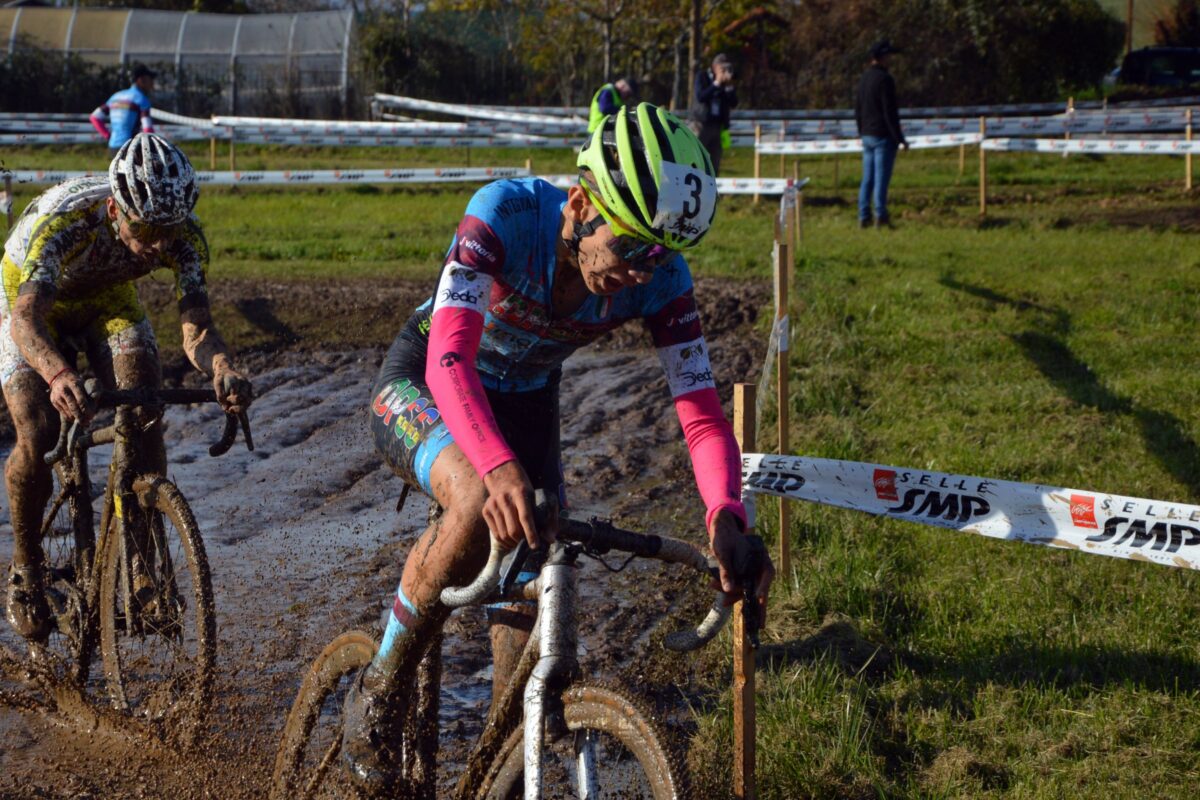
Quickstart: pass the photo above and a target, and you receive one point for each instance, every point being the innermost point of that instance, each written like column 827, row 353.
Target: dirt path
column 304, row 539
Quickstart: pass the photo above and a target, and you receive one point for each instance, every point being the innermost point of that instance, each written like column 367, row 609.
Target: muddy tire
column 159, row 652
column 68, row 546
column 636, row 756
column 305, row 765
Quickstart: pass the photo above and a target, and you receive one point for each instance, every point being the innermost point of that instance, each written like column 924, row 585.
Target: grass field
column 1055, row 342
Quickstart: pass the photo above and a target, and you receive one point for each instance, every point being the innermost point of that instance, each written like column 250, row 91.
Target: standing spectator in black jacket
column 878, row 119
column 712, row 100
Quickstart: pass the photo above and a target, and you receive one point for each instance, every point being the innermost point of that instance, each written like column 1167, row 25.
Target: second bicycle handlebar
column 69, row 431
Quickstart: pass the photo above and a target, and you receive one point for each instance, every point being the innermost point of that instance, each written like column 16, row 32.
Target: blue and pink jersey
column 492, row 326
column 123, row 116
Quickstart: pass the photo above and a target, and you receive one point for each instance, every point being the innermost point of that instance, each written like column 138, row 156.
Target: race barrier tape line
column 1091, row 522
column 275, row 178
column 855, row 145
column 767, row 186
column 1132, row 147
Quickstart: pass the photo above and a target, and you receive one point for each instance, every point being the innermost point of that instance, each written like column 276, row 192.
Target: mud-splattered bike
column 142, row 589
column 551, row 731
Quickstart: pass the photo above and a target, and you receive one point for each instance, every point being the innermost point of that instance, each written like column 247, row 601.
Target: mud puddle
column 304, row 542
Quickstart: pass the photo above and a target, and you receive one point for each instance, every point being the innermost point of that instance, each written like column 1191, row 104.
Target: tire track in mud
column 305, row 542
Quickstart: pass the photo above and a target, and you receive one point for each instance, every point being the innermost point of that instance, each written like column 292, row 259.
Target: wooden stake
column 962, row 161
column 1187, row 158
column 232, row 154
column 212, row 153
column 982, row 168
column 529, row 165
column 744, row 720
column 757, row 159
column 782, row 254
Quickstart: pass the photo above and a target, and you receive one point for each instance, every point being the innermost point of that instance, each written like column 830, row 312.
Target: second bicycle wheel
column 306, row 764
column 158, row 629
column 629, row 753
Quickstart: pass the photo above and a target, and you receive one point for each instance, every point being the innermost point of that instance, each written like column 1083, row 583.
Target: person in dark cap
column 714, row 96
column 878, row 118
column 119, row 118
column 609, row 99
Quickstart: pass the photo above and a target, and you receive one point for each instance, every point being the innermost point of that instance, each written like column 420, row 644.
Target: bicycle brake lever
column 245, row 421
column 227, row 438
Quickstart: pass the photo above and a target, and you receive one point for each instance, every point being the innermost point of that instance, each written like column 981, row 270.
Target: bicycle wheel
column 68, row 543
column 305, row 766
column 632, row 754
column 158, row 629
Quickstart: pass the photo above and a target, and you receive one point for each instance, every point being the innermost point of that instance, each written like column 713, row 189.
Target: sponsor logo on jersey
column 690, row 316
column 449, row 359
column 476, row 247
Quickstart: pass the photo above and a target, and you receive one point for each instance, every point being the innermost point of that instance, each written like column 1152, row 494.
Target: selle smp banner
column 1092, row 522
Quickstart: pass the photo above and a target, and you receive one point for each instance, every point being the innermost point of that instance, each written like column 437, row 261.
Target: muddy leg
column 29, row 485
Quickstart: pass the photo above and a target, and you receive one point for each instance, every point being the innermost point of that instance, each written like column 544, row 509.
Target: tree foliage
column 1179, row 26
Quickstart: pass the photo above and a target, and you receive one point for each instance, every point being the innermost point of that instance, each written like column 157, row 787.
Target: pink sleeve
column 715, row 457
column 454, row 335
column 98, row 123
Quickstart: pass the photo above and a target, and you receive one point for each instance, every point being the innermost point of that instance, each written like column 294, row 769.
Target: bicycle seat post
column 558, row 661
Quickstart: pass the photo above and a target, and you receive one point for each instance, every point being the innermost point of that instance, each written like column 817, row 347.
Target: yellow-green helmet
column 650, row 177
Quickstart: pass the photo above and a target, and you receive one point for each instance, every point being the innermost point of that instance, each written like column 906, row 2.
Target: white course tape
column 174, row 134
column 768, row 186
column 1091, row 522
column 275, row 178
column 1133, row 147
column 476, row 112
column 855, row 145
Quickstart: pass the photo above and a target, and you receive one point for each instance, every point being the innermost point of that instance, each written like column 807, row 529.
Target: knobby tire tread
column 347, row 653
column 157, row 494
column 612, row 710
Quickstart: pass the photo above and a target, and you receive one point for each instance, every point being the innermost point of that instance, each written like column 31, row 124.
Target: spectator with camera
column 714, row 96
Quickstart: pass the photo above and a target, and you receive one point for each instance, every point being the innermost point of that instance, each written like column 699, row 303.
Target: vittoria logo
column 885, row 484
column 1083, row 511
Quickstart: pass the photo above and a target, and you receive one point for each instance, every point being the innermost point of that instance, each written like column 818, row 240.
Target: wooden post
column 1187, row 158
column 757, row 160
column 529, row 165
column 7, row 198
column 1070, row 116
column 782, row 268
column 982, row 167
column 744, row 722
column 962, row 161
column 212, row 153
column 837, row 179
column 232, row 153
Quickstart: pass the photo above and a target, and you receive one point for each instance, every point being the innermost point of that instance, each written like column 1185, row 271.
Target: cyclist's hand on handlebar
column 508, row 509
column 69, row 398
column 725, row 535
column 234, row 392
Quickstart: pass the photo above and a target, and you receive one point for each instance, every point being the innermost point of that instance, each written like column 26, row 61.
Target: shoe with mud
column 27, row 611
column 368, row 734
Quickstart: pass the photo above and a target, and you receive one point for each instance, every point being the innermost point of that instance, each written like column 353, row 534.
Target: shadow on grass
column 1165, row 435
column 1023, row 661
column 257, row 311
column 1060, row 319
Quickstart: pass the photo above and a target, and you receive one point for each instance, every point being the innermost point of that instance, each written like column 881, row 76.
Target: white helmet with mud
column 153, row 181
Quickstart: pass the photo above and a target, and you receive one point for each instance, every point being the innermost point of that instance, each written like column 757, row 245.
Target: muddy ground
column 305, row 541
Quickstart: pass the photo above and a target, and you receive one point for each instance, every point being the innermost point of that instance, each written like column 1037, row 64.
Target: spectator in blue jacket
column 713, row 97
column 127, row 112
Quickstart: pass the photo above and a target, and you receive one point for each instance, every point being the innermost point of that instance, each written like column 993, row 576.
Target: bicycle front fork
column 557, row 665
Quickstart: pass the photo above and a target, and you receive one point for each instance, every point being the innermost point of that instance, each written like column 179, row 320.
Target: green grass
column 1053, row 343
